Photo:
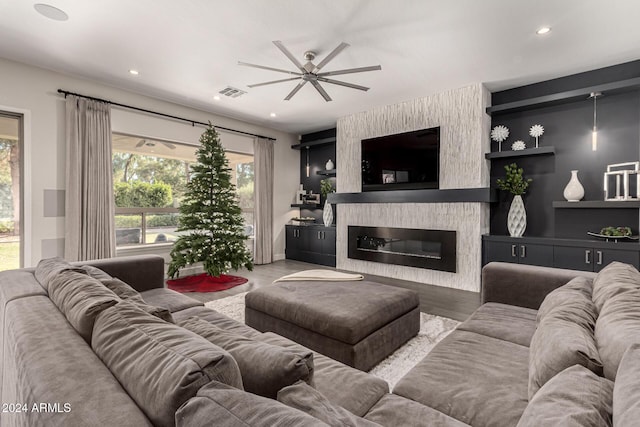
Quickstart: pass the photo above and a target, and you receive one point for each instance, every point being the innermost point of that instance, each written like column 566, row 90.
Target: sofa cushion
column 576, row 397
column 126, row 292
column 563, row 338
column 159, row 364
column 265, row 368
column 45, row 360
column 393, row 410
column 617, row 328
column 81, row 299
column 95, row 272
column 49, row 268
column 626, row 390
column 506, row 322
column 220, row 320
column 303, row 397
column 479, row 380
column 352, row 389
column 171, row 300
column 614, row 279
column 218, row 404
column 578, row 289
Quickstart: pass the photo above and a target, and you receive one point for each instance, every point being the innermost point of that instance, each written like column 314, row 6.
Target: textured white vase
column 327, row 214
column 574, row 191
column 329, row 165
column 517, row 218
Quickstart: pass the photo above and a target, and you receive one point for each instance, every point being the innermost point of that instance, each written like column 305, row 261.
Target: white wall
column 33, row 92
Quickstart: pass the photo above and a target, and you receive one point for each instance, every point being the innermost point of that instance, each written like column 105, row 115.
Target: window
column 150, row 178
column 10, row 191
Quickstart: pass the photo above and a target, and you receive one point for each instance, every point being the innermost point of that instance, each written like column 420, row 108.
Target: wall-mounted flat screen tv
column 404, row 161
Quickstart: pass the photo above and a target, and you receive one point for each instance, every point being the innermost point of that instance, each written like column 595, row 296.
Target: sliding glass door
column 10, row 191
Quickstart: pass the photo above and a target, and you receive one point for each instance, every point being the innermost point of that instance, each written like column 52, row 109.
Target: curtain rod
column 130, row 107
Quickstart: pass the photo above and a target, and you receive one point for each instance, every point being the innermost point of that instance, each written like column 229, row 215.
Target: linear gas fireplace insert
column 431, row 249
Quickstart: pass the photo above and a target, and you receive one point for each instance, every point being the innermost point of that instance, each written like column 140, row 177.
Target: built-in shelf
column 597, row 204
column 526, row 152
column 459, row 195
column 327, row 172
column 564, row 97
column 305, row 206
column 315, row 143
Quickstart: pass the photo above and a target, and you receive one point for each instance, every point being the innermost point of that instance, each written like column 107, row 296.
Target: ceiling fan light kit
column 310, row 72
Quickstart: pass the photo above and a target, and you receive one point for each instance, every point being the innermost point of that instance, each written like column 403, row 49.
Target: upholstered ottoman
column 356, row 323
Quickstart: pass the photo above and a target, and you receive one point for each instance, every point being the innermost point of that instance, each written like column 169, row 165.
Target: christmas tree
column 211, row 215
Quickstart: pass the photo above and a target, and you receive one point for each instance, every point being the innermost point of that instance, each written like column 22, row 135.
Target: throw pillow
column 617, row 328
column 126, row 292
column 307, row 399
column 265, row 368
column 95, row 272
column 563, row 338
column 220, row 405
column 614, row 279
column 159, row 364
column 576, row 397
column 577, row 290
column 49, row 268
column 626, row 390
column 81, row 299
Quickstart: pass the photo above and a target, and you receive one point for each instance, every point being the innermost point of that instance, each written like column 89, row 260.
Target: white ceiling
column 186, row 51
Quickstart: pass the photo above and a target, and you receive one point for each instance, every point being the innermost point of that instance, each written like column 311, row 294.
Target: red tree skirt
column 205, row 283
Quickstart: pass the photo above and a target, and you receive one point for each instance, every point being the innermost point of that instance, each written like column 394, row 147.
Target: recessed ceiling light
column 543, row 30
column 51, row 12
column 216, row 98
column 272, row 114
column 134, row 72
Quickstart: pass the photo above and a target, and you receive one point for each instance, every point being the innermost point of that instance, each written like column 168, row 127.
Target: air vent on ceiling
column 232, row 92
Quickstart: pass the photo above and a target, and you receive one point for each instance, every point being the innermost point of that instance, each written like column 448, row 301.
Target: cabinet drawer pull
column 587, row 257
column 523, row 251
column 599, row 262
column 513, row 251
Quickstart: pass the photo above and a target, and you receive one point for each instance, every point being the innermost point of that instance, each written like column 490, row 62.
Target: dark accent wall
column 568, row 128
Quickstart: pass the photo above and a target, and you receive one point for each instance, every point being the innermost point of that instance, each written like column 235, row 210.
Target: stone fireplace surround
column 464, row 138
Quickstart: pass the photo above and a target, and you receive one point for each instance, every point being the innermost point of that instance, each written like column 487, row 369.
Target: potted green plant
column 326, row 188
column 515, row 183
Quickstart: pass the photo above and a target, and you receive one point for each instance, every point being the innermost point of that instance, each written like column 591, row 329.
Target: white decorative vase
column 517, row 218
column 329, row 165
column 327, row 214
column 574, row 191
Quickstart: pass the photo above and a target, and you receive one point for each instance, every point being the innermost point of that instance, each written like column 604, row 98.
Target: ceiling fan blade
column 345, row 84
column 322, row 92
column 168, row 145
column 279, row 70
column 351, row 70
column 141, row 143
column 289, row 55
column 273, row 81
column 342, row 46
column 295, row 90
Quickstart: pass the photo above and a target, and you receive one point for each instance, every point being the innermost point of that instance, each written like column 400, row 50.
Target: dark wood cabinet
column 315, row 244
column 574, row 254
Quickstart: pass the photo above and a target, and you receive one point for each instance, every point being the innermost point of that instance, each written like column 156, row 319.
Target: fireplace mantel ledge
column 456, row 195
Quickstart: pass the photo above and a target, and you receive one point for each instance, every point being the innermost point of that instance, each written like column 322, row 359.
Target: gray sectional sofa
column 80, row 348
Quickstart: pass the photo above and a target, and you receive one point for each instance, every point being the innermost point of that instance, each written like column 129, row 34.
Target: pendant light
column 594, row 132
column 307, row 162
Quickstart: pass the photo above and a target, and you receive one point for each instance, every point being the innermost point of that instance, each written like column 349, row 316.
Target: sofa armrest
column 141, row 272
column 523, row 285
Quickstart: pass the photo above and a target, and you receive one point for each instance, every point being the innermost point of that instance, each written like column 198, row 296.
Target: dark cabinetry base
column 315, row 244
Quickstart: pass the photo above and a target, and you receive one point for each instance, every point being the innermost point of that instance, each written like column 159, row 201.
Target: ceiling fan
column 309, row 72
column 153, row 144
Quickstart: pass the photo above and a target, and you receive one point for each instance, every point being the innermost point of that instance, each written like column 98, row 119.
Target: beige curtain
column 263, row 200
column 89, row 210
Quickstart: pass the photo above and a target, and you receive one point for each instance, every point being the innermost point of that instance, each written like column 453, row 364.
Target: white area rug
column 432, row 330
